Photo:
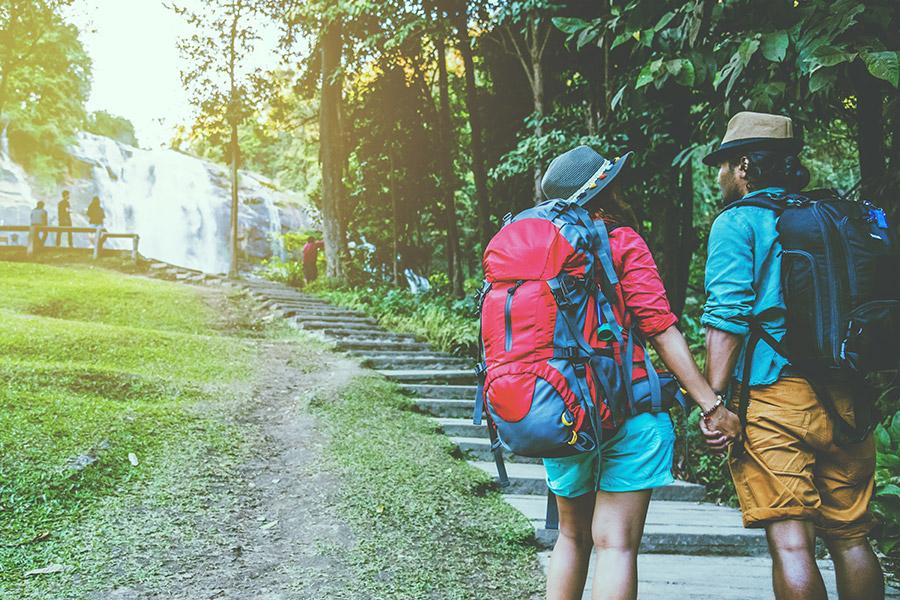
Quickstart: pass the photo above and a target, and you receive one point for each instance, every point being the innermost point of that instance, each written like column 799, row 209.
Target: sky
column 136, row 63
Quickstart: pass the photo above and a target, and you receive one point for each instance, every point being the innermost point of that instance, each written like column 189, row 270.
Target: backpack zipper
column 833, row 292
column 507, row 313
column 813, row 269
column 848, row 251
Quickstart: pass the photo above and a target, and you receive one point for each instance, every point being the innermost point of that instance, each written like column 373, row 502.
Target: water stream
column 178, row 204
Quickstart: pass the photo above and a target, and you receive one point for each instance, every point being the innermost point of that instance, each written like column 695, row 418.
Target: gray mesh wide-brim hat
column 580, row 174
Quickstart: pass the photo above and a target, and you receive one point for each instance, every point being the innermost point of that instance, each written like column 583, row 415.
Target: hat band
column 592, row 180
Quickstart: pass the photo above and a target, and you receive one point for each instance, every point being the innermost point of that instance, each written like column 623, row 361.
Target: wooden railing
column 100, row 235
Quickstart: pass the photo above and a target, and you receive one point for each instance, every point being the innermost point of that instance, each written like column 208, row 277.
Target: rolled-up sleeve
column 642, row 288
column 730, row 295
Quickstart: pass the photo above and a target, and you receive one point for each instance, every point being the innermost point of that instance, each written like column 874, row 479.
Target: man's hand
column 715, row 440
column 725, row 422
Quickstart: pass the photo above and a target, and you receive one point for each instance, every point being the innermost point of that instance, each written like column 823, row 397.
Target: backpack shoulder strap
column 776, row 202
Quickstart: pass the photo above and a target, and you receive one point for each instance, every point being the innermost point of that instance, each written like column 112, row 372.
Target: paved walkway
column 685, row 539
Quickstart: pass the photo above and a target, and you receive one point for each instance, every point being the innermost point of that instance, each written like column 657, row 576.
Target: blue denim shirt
column 743, row 282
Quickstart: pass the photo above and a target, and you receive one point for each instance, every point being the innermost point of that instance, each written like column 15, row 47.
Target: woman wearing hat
column 607, row 513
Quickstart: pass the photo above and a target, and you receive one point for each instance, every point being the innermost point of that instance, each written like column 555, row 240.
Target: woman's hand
column 721, row 429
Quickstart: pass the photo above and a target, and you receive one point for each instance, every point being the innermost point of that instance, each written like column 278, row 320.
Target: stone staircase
column 685, row 540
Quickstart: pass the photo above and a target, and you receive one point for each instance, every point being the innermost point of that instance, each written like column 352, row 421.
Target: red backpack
column 549, row 378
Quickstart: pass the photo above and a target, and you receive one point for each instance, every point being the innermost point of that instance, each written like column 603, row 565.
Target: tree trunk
column 679, row 237
column 892, row 179
column 537, row 93
column 235, row 156
column 454, row 262
column 478, row 170
column 331, row 149
column 870, row 132
column 395, row 219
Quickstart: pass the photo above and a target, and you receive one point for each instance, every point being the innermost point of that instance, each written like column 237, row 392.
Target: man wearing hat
column 603, row 500
column 790, row 476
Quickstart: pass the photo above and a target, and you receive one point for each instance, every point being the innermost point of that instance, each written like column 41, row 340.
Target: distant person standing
column 310, row 258
column 64, row 217
column 39, row 218
column 96, row 217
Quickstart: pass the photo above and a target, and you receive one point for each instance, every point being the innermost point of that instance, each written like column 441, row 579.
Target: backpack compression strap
column 652, row 375
column 844, row 430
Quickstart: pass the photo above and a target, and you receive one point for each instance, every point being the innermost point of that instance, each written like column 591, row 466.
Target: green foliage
column 111, row 126
column 223, row 84
column 94, row 366
column 886, row 504
column 44, row 82
column 289, row 272
column 445, row 323
column 423, row 508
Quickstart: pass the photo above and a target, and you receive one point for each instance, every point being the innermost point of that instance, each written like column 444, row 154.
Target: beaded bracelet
column 720, row 401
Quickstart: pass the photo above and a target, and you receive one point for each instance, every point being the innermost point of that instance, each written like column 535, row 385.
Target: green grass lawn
column 427, row 524
column 94, row 366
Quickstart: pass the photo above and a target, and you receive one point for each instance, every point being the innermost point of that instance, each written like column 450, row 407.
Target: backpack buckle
column 567, row 353
column 480, row 369
column 567, row 285
column 479, row 296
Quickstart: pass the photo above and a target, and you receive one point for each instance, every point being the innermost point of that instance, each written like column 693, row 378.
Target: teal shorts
column 637, row 457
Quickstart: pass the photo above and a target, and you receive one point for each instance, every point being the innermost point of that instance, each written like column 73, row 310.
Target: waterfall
column 162, row 195
column 179, row 205
column 18, row 199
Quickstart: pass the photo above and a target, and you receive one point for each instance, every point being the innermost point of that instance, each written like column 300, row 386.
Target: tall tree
column 223, row 86
column 524, row 31
column 44, row 82
column 331, row 149
column 445, row 141
column 479, row 171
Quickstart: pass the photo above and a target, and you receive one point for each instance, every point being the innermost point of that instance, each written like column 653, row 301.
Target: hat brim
column 736, row 147
column 601, row 184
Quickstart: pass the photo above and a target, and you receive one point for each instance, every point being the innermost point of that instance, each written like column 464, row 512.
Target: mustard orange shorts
column 791, row 468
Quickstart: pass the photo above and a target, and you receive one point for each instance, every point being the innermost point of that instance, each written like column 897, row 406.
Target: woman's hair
column 610, row 206
column 768, row 168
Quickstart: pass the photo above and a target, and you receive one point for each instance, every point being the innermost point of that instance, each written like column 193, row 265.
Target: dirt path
column 278, row 509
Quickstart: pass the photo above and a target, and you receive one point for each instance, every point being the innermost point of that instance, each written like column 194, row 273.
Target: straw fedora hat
column 580, row 174
column 751, row 131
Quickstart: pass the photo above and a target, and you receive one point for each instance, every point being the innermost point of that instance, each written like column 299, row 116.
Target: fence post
column 32, row 241
column 134, row 247
column 99, row 243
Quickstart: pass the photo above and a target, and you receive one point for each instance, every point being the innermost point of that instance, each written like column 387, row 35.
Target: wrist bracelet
column 719, row 402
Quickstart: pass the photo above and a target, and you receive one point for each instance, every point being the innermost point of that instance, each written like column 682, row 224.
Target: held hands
column 720, row 429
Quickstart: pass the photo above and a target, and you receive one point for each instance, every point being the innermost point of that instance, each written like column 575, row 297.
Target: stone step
column 449, row 362
column 672, row 527
column 305, row 305
column 530, row 479
column 462, row 427
column 388, row 352
column 301, row 316
column 479, row 449
column 370, row 345
column 414, row 362
column 341, row 333
column 448, row 410
column 454, row 376
column 283, row 294
column 362, row 328
column 675, row 576
column 446, row 392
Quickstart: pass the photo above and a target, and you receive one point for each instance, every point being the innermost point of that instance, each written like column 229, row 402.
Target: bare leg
column 572, row 552
column 618, row 526
column 857, row 569
column 795, row 574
